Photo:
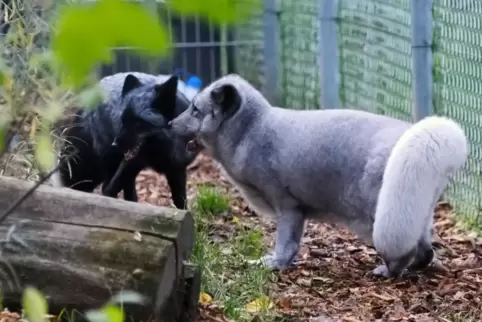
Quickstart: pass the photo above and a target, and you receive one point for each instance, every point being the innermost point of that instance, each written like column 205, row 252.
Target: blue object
column 195, row 82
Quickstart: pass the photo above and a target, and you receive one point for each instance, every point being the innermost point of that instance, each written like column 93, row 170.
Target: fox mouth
column 134, row 151
column 194, row 145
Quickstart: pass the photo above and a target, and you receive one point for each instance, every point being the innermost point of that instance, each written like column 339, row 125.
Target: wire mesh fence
column 299, row 54
column 375, row 59
column 249, row 56
column 458, row 91
column 199, row 47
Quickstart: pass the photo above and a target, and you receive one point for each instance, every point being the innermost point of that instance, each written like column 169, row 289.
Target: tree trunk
column 81, row 248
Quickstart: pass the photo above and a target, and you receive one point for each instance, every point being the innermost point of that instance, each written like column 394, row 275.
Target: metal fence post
column 271, row 51
column 329, row 64
column 422, row 81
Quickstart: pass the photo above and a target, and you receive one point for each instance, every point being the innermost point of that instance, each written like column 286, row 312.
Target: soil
column 332, row 280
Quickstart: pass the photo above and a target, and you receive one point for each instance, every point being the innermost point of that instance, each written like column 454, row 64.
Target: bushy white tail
column 417, row 171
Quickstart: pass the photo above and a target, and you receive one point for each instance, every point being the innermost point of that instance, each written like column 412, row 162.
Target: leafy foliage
column 37, row 84
column 34, row 305
column 111, row 312
column 84, row 35
column 121, row 23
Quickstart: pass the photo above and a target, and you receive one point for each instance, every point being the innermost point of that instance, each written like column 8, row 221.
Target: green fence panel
column 299, row 54
column 249, row 50
column 375, row 58
column 458, row 92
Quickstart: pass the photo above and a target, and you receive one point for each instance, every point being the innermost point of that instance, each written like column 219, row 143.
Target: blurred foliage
column 52, row 48
column 49, row 52
column 34, row 305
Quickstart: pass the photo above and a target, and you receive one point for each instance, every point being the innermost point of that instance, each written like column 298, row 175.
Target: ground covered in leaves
column 331, row 280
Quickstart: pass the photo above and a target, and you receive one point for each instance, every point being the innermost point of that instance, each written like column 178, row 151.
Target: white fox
column 379, row 176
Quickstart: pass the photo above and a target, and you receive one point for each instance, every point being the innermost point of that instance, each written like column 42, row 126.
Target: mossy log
column 80, row 248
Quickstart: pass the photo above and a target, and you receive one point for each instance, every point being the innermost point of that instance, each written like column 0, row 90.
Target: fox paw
column 382, row 271
column 271, row 262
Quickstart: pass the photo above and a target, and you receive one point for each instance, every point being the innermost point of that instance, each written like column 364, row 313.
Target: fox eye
column 195, row 110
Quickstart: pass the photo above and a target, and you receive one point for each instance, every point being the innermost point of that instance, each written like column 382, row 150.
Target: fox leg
column 395, row 268
column 425, row 254
column 130, row 192
column 113, row 183
column 417, row 259
column 176, row 180
column 289, row 229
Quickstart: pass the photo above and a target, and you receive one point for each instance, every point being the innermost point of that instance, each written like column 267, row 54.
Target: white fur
column 422, row 161
column 377, row 175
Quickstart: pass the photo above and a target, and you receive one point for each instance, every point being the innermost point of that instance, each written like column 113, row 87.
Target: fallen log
column 185, row 300
column 79, row 249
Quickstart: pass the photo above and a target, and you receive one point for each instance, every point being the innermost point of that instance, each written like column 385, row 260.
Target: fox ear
column 227, row 98
column 131, row 82
column 166, row 95
column 169, row 86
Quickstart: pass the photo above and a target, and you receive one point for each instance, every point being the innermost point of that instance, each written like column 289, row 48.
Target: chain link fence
column 299, row 54
column 249, row 55
column 457, row 41
column 374, row 58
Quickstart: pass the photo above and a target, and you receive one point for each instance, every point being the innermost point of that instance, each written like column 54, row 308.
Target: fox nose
column 169, row 124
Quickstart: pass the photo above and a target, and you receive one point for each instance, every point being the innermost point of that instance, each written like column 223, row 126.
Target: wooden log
column 192, row 290
column 81, row 248
column 183, row 303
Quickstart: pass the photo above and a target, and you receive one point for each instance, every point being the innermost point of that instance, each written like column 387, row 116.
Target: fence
column 402, row 58
column 199, row 47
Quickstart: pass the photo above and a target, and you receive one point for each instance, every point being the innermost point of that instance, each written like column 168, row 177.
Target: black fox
column 130, row 130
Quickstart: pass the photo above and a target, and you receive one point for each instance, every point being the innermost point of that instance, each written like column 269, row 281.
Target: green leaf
column 218, row 11
column 52, row 113
column 2, row 71
column 44, row 152
column 91, row 97
column 3, row 132
column 87, row 32
column 113, row 313
column 108, row 313
column 43, row 59
column 5, row 71
column 34, row 305
column 128, row 297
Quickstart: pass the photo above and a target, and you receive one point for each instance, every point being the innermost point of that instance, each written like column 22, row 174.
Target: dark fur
column 141, row 116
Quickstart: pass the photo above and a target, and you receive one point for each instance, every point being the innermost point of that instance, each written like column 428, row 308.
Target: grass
column 210, row 203
column 222, row 248
column 460, row 317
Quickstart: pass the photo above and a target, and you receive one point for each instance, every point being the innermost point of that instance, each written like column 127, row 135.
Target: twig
column 11, row 132
column 117, row 175
column 12, row 208
column 8, row 140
